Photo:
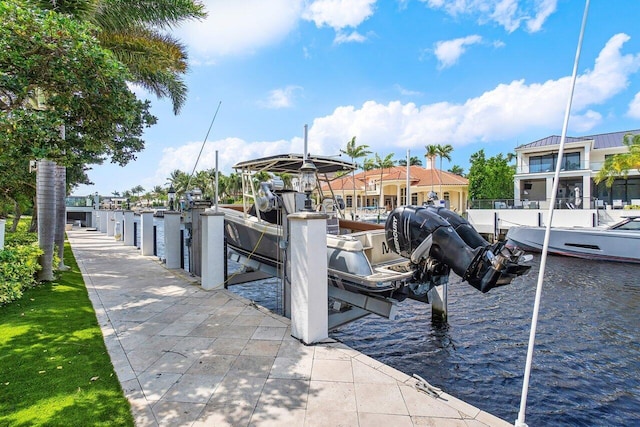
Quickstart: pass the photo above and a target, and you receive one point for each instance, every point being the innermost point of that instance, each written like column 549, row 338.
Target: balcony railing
column 561, row 203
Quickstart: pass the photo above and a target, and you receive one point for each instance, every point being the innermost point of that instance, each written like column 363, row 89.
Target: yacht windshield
column 628, row 224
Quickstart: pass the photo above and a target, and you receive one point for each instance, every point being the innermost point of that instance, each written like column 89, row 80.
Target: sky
column 397, row 74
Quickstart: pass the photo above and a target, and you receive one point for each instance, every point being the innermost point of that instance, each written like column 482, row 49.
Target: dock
column 190, row 357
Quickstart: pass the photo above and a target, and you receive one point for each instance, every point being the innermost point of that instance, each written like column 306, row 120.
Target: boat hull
column 587, row 243
column 347, row 263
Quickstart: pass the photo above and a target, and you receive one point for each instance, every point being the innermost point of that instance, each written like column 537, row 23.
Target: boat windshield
column 632, row 223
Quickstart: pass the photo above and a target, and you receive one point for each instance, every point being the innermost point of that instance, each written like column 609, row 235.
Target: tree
column 55, row 76
column 490, row 178
column 413, row 161
column 443, row 151
column 619, row 165
column 133, row 31
column 432, row 152
column 383, row 163
column 457, row 169
column 367, row 165
column 355, row 152
column 137, row 190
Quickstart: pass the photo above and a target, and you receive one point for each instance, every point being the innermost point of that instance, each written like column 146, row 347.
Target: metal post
column 155, row 240
column 182, row 249
column 135, row 234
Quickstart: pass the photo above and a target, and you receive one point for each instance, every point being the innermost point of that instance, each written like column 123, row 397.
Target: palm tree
column 413, row 161
column 457, row 169
column 383, row 163
column 133, row 31
column 355, row 152
column 444, row 151
column 619, row 165
column 234, row 185
column 367, row 165
column 137, row 190
column 432, row 152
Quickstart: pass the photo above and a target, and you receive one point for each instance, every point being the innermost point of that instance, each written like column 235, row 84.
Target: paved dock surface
column 190, row 357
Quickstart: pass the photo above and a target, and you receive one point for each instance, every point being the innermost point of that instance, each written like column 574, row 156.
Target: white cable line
column 545, row 248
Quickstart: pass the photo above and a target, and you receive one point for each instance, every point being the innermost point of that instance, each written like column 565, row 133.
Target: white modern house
column 579, row 202
column 583, row 158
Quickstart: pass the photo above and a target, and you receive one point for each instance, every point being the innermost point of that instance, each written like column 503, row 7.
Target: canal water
column 586, row 365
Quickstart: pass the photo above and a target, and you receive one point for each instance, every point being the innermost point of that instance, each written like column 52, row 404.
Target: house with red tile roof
column 384, row 190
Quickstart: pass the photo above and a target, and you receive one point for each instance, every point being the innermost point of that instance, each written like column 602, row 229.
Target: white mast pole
column 408, row 192
column 520, row 422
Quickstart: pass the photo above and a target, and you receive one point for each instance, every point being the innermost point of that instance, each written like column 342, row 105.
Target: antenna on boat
column 305, row 153
column 202, row 147
column 545, row 247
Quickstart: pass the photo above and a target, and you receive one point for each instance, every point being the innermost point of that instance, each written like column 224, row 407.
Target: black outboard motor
column 514, row 257
column 465, row 230
column 421, row 234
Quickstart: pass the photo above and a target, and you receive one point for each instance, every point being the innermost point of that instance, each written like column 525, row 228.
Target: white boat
column 414, row 251
column 620, row 242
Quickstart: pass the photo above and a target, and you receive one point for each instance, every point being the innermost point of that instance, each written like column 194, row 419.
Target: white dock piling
column 119, row 223
column 212, row 257
column 128, row 228
column 309, row 294
column 172, row 239
column 103, row 221
column 146, row 233
column 111, row 223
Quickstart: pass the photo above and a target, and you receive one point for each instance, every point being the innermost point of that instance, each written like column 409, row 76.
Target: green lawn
column 54, row 367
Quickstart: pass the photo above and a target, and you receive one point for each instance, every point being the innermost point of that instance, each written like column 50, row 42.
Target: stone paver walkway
column 190, row 357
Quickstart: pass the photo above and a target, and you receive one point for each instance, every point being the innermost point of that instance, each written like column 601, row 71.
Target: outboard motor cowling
column 420, row 234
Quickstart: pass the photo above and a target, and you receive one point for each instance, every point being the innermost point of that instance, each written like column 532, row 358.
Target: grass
column 54, row 366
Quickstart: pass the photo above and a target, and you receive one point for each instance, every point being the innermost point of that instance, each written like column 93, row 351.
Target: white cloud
column 500, row 114
column 355, row 36
column 449, row 51
column 545, row 8
column 510, row 14
column 239, row 27
column 281, row 98
column 634, row 107
column 339, row 14
column 407, row 92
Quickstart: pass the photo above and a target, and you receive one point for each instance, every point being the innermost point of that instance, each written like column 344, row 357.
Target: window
column 349, row 201
column 547, row 163
column 414, row 199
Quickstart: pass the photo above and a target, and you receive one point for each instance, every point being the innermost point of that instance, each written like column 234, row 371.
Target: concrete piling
column 213, row 260
column 309, row 294
column 146, row 233
column 128, row 228
column 172, row 239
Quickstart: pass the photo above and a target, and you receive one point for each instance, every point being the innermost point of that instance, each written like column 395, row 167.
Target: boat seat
column 333, row 226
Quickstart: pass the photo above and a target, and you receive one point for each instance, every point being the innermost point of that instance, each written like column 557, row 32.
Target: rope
column 545, row 248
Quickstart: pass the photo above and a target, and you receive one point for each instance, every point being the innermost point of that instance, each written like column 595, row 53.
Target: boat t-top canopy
column 291, row 163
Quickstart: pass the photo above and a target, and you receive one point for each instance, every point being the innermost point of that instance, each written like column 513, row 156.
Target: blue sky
column 397, row 75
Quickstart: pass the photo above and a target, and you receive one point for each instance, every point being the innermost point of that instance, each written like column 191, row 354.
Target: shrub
column 18, row 267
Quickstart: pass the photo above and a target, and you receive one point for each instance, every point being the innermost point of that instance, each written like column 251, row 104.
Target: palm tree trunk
column 61, row 212
column 46, row 201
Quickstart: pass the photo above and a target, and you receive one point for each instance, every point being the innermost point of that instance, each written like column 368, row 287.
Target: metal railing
column 561, row 203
